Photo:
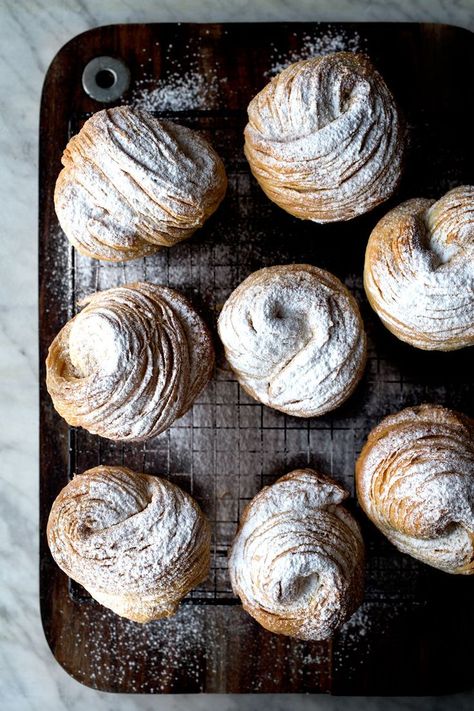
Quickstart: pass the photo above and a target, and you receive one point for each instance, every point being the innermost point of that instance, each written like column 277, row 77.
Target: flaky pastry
column 294, row 337
column 324, row 138
column 132, row 184
column 419, row 271
column 297, row 560
column 136, row 542
column 415, row 481
column 130, row 363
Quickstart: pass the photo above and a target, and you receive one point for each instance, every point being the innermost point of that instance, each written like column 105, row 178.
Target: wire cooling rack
column 227, row 447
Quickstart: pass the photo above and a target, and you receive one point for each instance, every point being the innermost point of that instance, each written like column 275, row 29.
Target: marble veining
column 31, row 32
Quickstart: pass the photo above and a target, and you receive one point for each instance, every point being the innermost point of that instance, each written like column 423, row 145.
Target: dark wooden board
column 413, row 634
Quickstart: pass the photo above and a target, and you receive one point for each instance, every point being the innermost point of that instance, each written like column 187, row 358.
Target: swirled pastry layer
column 415, row 481
column 294, row 337
column 136, row 542
column 297, row 559
column 131, row 362
column 419, row 271
column 324, row 138
column 132, row 184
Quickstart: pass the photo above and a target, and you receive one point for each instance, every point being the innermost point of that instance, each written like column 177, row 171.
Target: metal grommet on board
column 105, row 78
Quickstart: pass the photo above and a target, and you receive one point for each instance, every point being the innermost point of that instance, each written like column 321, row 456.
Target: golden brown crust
column 297, row 559
column 419, row 271
column 132, row 184
column 130, row 363
column 415, row 481
column 324, row 138
column 136, row 542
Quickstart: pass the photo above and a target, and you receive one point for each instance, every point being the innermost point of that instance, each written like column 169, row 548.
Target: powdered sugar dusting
column 287, row 332
column 132, row 184
column 137, row 543
column 415, row 480
column 195, row 644
column 296, row 561
column 419, row 270
column 182, row 86
column 94, row 344
column 178, row 92
column 130, row 363
column 312, row 45
column 324, row 138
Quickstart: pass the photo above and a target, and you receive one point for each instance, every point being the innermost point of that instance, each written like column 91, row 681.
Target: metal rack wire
column 228, row 446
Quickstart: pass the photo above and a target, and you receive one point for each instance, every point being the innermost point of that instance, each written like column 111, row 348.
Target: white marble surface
column 31, row 32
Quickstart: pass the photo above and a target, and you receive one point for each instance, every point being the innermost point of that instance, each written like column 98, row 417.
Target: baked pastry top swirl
column 132, row 184
column 130, row 363
column 419, row 271
column 136, row 542
column 415, row 481
column 297, row 559
column 294, row 337
column 324, row 138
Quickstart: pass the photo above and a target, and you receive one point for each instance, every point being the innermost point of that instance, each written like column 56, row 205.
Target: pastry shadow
column 403, row 595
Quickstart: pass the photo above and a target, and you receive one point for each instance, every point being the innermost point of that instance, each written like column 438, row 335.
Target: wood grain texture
column 413, row 633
